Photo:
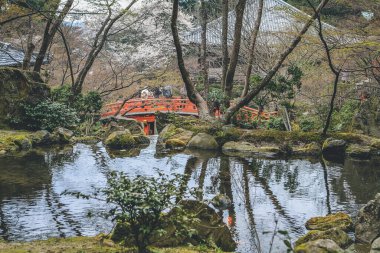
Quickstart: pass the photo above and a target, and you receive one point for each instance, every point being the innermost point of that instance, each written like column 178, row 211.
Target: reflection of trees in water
column 4, row 230
column 282, row 172
column 248, row 205
column 58, row 211
column 326, row 180
column 355, row 183
column 255, row 166
column 201, row 179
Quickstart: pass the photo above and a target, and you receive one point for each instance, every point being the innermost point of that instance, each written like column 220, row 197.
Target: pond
column 267, row 195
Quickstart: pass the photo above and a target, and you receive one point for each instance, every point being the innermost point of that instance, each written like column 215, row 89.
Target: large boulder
column 41, row 137
column 367, row 226
column 203, row 141
column 19, row 87
column 120, row 140
column 319, row 246
column 337, row 235
column 375, row 247
column 247, row 149
column 359, row 151
column 173, row 138
column 338, row 220
column 63, row 135
column 334, row 147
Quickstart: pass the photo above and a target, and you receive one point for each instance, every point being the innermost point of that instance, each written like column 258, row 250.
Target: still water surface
column 267, row 195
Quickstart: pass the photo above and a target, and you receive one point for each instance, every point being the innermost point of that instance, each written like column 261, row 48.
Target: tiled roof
column 13, row 57
column 279, row 17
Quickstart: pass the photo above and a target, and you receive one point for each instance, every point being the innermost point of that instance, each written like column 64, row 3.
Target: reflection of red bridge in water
column 144, row 110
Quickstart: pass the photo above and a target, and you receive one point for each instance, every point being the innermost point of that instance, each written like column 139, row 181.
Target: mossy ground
column 8, row 139
column 85, row 245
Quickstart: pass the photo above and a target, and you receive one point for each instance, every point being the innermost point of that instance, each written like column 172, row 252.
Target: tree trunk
column 239, row 13
column 205, row 67
column 252, row 47
column 29, row 47
column 244, row 101
column 225, row 60
column 50, row 31
column 192, row 94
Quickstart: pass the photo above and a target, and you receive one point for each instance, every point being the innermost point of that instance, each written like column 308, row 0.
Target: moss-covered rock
column 359, row 151
column 41, row 137
column 63, row 135
column 209, row 229
column 246, row 149
column 19, row 87
column 203, row 141
column 11, row 141
column 367, row 226
column 175, row 144
column 24, row 143
column 334, row 147
column 141, row 139
column 120, row 140
column 171, row 132
column 311, row 149
column 337, row 220
column 319, row 246
column 337, row 235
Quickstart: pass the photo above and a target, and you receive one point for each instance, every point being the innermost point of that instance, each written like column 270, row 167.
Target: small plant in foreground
column 144, row 205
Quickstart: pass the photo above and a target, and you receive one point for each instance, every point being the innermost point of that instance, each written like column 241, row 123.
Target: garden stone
column 203, row 141
column 333, row 147
column 41, row 137
column 120, row 140
column 64, row 135
column 319, row 246
column 367, row 227
column 338, row 220
column 337, row 235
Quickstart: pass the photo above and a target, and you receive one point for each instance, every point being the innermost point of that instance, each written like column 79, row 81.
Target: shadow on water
column 267, row 195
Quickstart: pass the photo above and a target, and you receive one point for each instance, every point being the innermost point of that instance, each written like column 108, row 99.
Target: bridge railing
column 151, row 106
column 138, row 106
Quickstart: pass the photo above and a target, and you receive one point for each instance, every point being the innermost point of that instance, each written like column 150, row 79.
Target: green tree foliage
column 84, row 104
column 281, row 89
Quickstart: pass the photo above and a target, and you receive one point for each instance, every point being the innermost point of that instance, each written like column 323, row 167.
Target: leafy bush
column 343, row 118
column 307, row 124
column 48, row 115
column 84, row 104
column 140, row 203
column 276, row 123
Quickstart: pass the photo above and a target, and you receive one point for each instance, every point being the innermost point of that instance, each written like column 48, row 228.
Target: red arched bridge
column 144, row 110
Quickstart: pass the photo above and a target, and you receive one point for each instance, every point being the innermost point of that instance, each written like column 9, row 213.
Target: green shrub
column 307, row 124
column 276, row 123
column 142, row 203
column 343, row 118
column 83, row 104
column 47, row 115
